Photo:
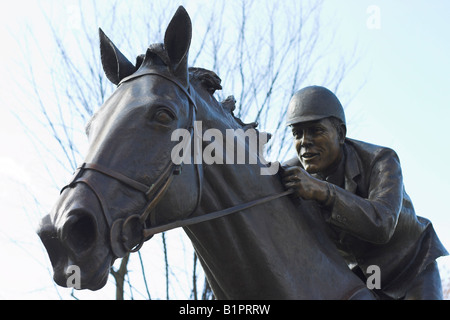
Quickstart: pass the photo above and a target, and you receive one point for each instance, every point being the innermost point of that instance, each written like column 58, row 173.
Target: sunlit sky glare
column 401, row 99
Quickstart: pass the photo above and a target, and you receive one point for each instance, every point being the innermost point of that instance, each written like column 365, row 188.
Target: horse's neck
column 230, row 185
column 222, row 242
column 227, row 184
column 260, row 253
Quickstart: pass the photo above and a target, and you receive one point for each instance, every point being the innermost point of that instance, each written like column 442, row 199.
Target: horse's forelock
column 208, row 79
column 155, row 55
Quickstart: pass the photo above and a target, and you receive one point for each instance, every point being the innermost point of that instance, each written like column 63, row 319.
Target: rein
column 128, row 235
column 215, row 214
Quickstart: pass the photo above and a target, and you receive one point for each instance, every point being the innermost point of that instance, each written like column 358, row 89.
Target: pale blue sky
column 404, row 104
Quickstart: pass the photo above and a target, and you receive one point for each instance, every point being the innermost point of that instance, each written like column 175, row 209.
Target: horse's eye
column 164, row 116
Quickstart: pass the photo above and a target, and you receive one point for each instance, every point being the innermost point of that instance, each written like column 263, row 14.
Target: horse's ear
column 115, row 64
column 177, row 41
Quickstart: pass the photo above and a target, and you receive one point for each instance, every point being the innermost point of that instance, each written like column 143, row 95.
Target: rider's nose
column 306, row 140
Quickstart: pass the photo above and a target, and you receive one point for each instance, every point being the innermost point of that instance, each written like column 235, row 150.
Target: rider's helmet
column 313, row 103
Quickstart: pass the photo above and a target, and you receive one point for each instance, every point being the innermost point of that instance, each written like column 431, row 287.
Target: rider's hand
column 304, row 185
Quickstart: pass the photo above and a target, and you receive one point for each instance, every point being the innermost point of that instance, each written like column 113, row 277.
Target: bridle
column 129, row 234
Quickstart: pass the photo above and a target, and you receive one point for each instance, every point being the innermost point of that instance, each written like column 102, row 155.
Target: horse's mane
column 212, row 82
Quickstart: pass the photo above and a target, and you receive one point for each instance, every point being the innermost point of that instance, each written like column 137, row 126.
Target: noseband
column 128, row 235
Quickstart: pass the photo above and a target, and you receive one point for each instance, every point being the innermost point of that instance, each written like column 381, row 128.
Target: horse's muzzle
column 70, row 235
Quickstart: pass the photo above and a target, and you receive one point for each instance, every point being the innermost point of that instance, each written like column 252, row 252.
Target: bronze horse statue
column 253, row 240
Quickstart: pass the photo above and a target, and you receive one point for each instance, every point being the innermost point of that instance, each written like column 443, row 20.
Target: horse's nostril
column 79, row 232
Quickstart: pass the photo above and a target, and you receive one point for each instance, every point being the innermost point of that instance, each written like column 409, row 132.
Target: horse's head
column 128, row 176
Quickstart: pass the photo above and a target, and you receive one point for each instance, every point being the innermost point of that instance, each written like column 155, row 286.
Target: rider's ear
column 342, row 133
column 177, row 41
column 115, row 64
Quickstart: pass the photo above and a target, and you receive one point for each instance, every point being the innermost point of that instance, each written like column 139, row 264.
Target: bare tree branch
column 119, row 276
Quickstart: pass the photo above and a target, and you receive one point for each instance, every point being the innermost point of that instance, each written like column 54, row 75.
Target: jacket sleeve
column 374, row 218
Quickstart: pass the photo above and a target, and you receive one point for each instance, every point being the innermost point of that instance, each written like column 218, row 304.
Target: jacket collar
column 352, row 168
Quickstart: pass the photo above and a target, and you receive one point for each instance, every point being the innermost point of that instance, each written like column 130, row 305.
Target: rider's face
column 319, row 145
